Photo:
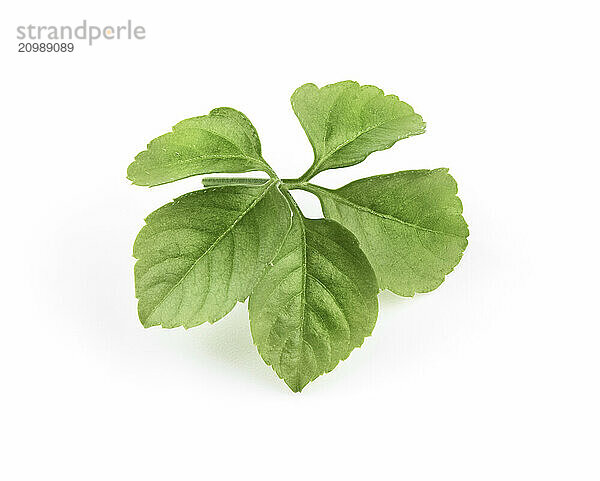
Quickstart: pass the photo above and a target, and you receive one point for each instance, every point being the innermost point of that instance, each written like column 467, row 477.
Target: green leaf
column 222, row 141
column 409, row 224
column 312, row 284
column 345, row 122
column 203, row 252
column 315, row 304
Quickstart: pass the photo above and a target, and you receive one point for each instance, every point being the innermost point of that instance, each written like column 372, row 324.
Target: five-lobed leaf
column 315, row 303
column 409, row 225
column 203, row 252
column 345, row 122
column 312, row 283
column 222, row 141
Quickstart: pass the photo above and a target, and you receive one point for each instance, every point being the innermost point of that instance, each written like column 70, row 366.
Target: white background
column 494, row 376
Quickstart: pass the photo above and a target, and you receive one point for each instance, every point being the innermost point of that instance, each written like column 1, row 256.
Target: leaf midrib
column 222, row 157
column 268, row 186
column 352, row 139
column 303, row 291
column 348, row 202
column 225, row 139
column 243, row 155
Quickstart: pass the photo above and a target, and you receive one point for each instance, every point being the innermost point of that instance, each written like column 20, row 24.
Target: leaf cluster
column 311, row 284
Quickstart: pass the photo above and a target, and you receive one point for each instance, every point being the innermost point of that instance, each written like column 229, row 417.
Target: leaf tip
column 295, row 385
column 134, row 170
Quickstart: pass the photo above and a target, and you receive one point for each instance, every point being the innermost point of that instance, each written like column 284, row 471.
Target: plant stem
column 286, row 192
column 218, row 181
column 313, row 189
column 292, row 184
column 299, row 184
column 271, row 173
column 309, row 174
